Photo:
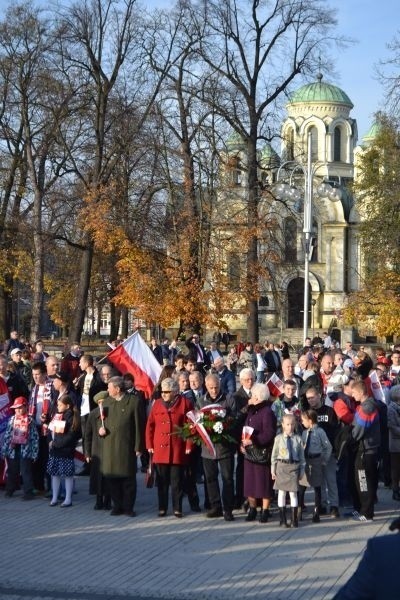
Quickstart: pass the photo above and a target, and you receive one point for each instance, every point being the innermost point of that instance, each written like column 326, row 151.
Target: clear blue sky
column 372, row 24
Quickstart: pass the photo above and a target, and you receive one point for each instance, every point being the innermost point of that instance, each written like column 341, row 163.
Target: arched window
column 314, row 242
column 290, row 145
column 290, row 237
column 314, row 143
column 337, row 144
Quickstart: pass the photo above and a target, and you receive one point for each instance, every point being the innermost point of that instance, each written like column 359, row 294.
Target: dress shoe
column 214, row 513
column 64, row 505
column 53, row 503
column 178, row 514
column 130, row 513
column 228, row 516
column 162, row 513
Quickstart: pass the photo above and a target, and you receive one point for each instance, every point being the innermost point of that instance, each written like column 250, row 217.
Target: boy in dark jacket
column 366, row 433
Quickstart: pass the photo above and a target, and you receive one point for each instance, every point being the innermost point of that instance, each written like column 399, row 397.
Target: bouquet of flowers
column 208, row 426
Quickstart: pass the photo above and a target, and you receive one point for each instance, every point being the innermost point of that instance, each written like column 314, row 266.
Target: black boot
column 282, row 517
column 315, row 517
column 265, row 515
column 295, row 522
column 99, row 503
column 252, row 514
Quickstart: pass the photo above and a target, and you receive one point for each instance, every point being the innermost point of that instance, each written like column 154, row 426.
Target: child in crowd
column 317, row 452
column 287, row 467
column 65, row 433
column 287, row 403
column 20, row 448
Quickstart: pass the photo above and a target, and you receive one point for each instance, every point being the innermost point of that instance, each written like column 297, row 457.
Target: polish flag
column 376, row 387
column 275, row 385
column 135, row 357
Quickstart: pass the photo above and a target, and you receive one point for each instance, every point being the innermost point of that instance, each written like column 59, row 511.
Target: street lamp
column 290, row 192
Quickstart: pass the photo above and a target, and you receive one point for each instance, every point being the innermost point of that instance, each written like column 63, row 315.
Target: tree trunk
column 124, row 322
column 252, row 252
column 76, row 329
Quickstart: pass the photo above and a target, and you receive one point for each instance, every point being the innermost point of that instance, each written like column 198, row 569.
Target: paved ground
column 81, row 554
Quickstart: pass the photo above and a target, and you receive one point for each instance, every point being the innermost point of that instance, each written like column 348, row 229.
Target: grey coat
column 393, row 421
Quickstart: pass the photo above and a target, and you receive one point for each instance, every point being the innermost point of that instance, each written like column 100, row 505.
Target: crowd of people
column 327, row 419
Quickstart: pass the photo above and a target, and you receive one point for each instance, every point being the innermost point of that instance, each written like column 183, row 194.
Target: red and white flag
column 376, row 387
column 135, row 357
column 275, row 385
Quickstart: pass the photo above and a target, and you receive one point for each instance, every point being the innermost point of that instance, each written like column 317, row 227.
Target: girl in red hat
column 20, row 448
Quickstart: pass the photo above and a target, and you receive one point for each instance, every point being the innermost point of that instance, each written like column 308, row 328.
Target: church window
column 314, row 143
column 290, row 145
column 314, row 242
column 236, row 170
column 290, row 237
column 337, row 144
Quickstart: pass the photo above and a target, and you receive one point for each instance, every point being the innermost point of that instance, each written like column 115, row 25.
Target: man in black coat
column 273, row 359
column 197, row 353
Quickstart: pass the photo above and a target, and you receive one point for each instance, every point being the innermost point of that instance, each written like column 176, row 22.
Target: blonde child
column 65, row 433
column 287, row 467
column 317, row 451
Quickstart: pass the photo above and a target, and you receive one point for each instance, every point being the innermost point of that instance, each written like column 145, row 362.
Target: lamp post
column 286, row 191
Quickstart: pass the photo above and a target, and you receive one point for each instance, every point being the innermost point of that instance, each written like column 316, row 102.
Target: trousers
column 224, row 466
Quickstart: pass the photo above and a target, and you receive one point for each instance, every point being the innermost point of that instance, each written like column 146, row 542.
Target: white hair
column 261, row 391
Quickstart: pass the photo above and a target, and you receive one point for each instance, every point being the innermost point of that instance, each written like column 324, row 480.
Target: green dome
column 373, row 131
column 318, row 92
column 235, row 142
column 268, row 156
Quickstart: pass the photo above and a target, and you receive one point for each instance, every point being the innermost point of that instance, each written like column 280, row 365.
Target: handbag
column 149, row 476
column 260, row 456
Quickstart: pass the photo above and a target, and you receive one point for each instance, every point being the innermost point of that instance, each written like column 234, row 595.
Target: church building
column 319, row 114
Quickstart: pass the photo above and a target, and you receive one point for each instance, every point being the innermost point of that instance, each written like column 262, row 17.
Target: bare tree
column 103, row 43
column 255, row 50
column 40, row 106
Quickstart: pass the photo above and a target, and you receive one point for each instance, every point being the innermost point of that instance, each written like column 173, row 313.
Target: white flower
column 218, row 427
column 219, row 412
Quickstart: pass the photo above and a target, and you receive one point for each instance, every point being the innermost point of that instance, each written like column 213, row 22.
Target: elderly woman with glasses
column 170, row 451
